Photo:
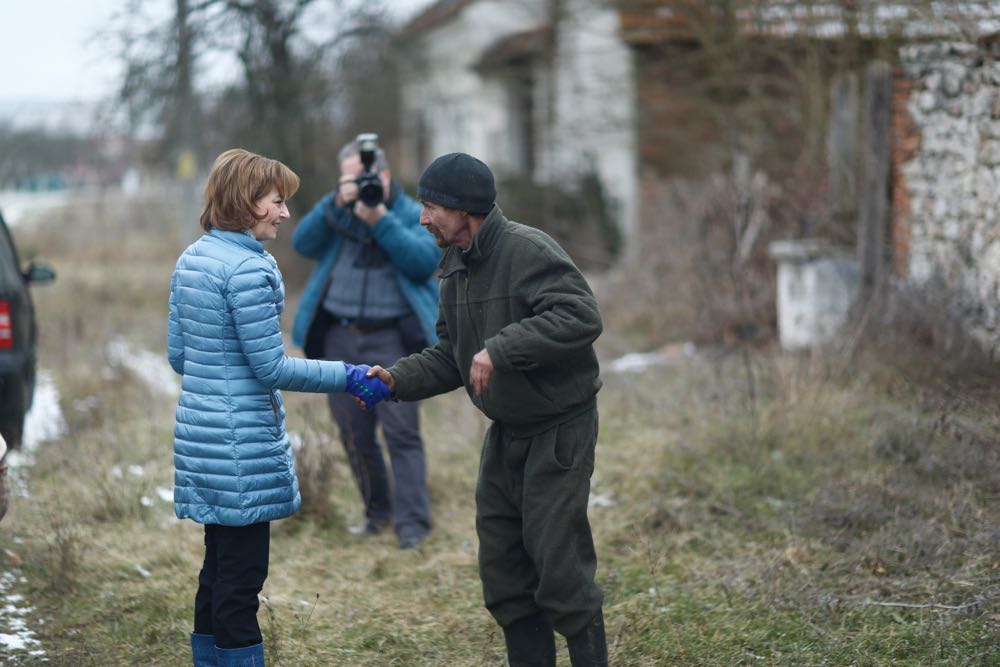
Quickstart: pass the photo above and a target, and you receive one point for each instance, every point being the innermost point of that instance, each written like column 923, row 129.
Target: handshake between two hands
column 368, row 385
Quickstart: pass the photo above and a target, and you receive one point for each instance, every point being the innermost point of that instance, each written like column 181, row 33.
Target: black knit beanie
column 458, row 181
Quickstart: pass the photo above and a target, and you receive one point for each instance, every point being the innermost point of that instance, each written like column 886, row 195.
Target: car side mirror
column 39, row 274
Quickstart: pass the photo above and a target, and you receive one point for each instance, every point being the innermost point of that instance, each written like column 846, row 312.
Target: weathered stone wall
column 947, row 178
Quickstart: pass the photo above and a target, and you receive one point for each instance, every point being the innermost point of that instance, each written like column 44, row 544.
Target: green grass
column 761, row 517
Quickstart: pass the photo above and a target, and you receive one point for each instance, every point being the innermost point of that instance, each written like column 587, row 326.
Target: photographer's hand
column 369, row 214
column 347, row 191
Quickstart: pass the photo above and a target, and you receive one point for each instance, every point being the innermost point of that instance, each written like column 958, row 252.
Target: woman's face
column 271, row 210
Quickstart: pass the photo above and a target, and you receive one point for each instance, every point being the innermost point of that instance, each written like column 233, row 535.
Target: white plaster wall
column 594, row 116
column 595, row 107
column 461, row 110
column 954, row 180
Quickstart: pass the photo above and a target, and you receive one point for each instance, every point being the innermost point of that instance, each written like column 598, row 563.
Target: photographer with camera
column 373, row 297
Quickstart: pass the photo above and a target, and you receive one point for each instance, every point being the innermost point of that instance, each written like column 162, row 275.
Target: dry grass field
column 751, row 508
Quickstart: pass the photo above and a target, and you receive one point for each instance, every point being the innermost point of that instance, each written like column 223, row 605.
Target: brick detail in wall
column 905, row 145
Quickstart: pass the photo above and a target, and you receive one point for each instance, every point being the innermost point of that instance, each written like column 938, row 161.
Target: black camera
column 370, row 190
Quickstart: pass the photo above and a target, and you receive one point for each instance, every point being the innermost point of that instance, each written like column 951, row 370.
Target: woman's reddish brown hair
column 237, row 181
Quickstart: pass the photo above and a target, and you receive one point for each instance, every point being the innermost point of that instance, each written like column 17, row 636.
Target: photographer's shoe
column 366, row 528
column 411, row 541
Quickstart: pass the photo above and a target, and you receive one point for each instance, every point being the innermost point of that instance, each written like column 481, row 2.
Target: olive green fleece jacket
column 519, row 295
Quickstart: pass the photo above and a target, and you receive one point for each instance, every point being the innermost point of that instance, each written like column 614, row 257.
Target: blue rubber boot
column 248, row 656
column 203, row 650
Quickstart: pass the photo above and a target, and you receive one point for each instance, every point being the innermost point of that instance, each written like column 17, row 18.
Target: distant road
column 19, row 206
column 16, row 204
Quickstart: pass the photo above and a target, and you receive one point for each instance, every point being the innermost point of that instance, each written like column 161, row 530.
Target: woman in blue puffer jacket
column 234, row 467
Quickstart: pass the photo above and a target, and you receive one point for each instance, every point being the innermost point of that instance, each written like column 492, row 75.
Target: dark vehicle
column 18, row 336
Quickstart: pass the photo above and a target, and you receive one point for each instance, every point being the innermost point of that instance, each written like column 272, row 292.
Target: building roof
column 434, row 15
column 653, row 21
column 518, row 46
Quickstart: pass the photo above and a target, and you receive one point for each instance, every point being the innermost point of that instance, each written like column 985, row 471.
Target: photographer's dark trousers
column 232, row 575
column 536, row 552
column 405, row 501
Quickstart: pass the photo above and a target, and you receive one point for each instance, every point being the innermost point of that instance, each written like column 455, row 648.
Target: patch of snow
column 12, row 612
column 165, row 494
column 44, row 420
column 640, row 361
column 775, row 503
column 153, row 369
column 17, row 204
column 138, row 471
column 146, row 501
column 636, row 361
column 601, row 500
column 86, row 404
column 143, row 572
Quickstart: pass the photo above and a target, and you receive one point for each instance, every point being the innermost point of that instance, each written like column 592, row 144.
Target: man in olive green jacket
column 516, row 327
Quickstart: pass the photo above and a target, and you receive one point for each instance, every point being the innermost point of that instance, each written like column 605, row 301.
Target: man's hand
column 366, row 390
column 347, row 191
column 370, row 214
column 347, row 194
column 480, row 371
column 385, row 376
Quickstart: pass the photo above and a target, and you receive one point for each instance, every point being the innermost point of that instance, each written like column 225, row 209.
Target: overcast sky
column 49, row 50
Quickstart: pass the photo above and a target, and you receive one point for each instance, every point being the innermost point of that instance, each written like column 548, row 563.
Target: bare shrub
column 65, row 552
column 113, row 501
column 274, row 632
column 316, row 467
column 903, row 440
column 701, row 269
column 915, row 330
column 911, row 340
column 962, row 449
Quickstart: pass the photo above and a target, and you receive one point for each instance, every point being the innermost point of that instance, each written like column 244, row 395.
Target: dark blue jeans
column 405, row 501
column 232, row 575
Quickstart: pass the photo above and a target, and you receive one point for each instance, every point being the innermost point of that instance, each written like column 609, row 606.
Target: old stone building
column 926, row 204
column 730, row 130
column 946, row 185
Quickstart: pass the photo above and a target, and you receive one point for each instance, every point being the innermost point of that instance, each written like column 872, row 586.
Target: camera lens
column 370, row 189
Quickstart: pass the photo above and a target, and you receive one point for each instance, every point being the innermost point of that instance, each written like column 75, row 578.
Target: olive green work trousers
column 536, row 551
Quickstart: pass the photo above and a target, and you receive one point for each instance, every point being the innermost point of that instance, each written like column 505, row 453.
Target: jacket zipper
column 468, row 311
column 274, row 406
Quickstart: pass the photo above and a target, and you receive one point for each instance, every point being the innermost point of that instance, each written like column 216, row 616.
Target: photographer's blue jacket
column 411, row 248
column 232, row 459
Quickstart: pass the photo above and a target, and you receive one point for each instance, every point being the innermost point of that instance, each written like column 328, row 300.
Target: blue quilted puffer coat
column 233, row 463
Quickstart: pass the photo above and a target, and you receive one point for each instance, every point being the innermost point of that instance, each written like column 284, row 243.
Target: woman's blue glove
column 371, row 390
